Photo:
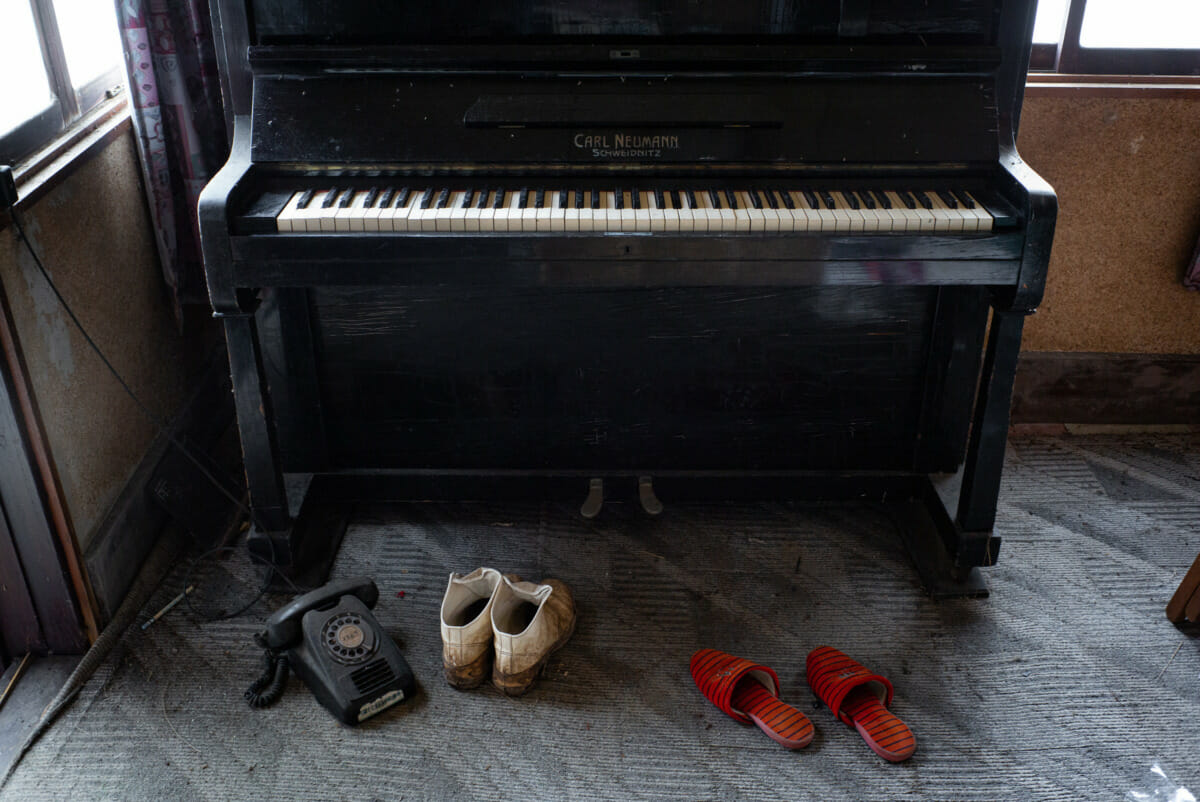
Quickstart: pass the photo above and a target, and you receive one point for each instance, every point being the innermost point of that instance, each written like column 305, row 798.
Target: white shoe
column 467, row 626
column 531, row 622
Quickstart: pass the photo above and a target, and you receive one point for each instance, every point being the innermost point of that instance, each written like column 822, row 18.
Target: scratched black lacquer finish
column 806, row 363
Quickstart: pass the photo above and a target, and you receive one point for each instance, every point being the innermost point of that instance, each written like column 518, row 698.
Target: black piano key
column 909, row 201
column 923, row 199
column 579, row 193
column 852, row 200
column 788, row 203
column 964, row 199
column 563, row 196
column 443, row 199
column 498, row 203
column 483, row 199
column 427, row 198
column 468, row 194
column 635, row 196
column 385, row 198
column 330, row 198
column 619, row 197
column 772, row 200
column 865, row 197
column 947, row 199
column 305, row 198
column 595, row 199
column 691, row 199
column 810, row 198
column 755, row 201
column 828, row 199
column 372, row 196
column 659, row 199
column 539, row 199
column 731, row 198
column 715, row 197
column 346, row 199
column 882, row 198
column 676, row 199
column 523, row 198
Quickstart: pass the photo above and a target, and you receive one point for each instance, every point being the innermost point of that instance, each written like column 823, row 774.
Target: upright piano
column 781, row 248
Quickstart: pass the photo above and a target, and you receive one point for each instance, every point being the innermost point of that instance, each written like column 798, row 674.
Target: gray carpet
column 1067, row 684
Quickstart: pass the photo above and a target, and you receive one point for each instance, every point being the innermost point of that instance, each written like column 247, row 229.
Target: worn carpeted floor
column 1067, row 684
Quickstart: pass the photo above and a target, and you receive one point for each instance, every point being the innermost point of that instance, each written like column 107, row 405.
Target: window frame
column 69, row 104
column 1068, row 57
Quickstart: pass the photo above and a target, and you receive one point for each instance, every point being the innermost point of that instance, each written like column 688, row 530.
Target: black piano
column 773, row 248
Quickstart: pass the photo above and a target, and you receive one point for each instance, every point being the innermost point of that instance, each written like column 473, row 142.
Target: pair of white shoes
column 498, row 620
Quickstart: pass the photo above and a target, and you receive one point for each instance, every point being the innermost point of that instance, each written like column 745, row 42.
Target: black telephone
column 338, row 648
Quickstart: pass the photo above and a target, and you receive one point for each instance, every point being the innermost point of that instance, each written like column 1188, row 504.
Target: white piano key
column 983, row 220
column 401, row 211
column 656, row 217
column 641, row 215
column 902, row 218
column 587, row 215
column 774, row 220
column 285, row 219
column 371, row 216
column 627, row 213
column 571, row 214
column 944, row 217
column 670, row 213
column 558, row 212
column 529, row 212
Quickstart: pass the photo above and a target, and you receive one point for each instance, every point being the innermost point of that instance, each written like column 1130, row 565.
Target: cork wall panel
column 94, row 236
column 1127, row 173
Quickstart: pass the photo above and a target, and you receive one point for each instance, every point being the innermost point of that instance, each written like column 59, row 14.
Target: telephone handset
column 338, row 648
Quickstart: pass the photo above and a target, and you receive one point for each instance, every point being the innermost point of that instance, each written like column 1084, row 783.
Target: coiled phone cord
column 266, row 690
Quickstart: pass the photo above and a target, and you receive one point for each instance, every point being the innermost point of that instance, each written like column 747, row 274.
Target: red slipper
column 860, row 699
column 750, row 692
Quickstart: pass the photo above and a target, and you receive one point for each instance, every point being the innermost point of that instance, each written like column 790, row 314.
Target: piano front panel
column 605, row 120
column 679, row 378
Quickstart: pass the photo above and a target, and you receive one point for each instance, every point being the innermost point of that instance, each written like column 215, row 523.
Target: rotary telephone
column 338, row 648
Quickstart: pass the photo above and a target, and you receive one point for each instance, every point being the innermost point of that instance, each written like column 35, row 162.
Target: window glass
column 89, row 36
column 1141, row 24
column 20, row 56
column 1051, row 15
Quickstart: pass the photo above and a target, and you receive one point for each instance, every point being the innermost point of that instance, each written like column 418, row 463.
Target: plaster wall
column 1127, row 174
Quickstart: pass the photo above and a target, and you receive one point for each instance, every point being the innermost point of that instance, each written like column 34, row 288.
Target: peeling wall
column 1127, row 173
column 94, row 236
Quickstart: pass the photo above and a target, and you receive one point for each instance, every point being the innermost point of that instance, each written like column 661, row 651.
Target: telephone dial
column 338, row 648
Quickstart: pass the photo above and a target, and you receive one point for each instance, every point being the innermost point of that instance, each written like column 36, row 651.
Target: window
column 59, row 59
column 1117, row 37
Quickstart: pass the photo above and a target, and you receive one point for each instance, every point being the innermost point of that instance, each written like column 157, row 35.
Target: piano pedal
column 595, row 499
column 650, row 502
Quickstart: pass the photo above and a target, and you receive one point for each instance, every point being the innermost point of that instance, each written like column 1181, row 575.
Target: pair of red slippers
column 749, row 692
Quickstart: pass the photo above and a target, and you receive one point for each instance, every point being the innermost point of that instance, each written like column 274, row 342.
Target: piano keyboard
column 438, row 209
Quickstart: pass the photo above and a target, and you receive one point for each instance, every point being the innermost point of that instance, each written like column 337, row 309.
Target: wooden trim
column 1130, row 86
column 39, row 447
column 49, row 167
column 1064, row 387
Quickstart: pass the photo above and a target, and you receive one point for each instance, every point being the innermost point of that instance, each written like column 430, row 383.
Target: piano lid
column 449, row 22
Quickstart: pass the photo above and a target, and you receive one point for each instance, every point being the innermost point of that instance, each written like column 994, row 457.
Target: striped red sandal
column 750, row 693
column 860, row 699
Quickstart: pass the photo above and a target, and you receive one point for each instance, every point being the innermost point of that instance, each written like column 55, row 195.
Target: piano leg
column 948, row 550
column 260, row 452
column 989, row 432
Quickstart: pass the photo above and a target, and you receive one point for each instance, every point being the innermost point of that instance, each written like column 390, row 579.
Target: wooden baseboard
column 135, row 521
column 1066, row 387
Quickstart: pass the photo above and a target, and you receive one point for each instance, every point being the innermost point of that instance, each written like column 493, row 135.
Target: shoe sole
column 469, row 676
